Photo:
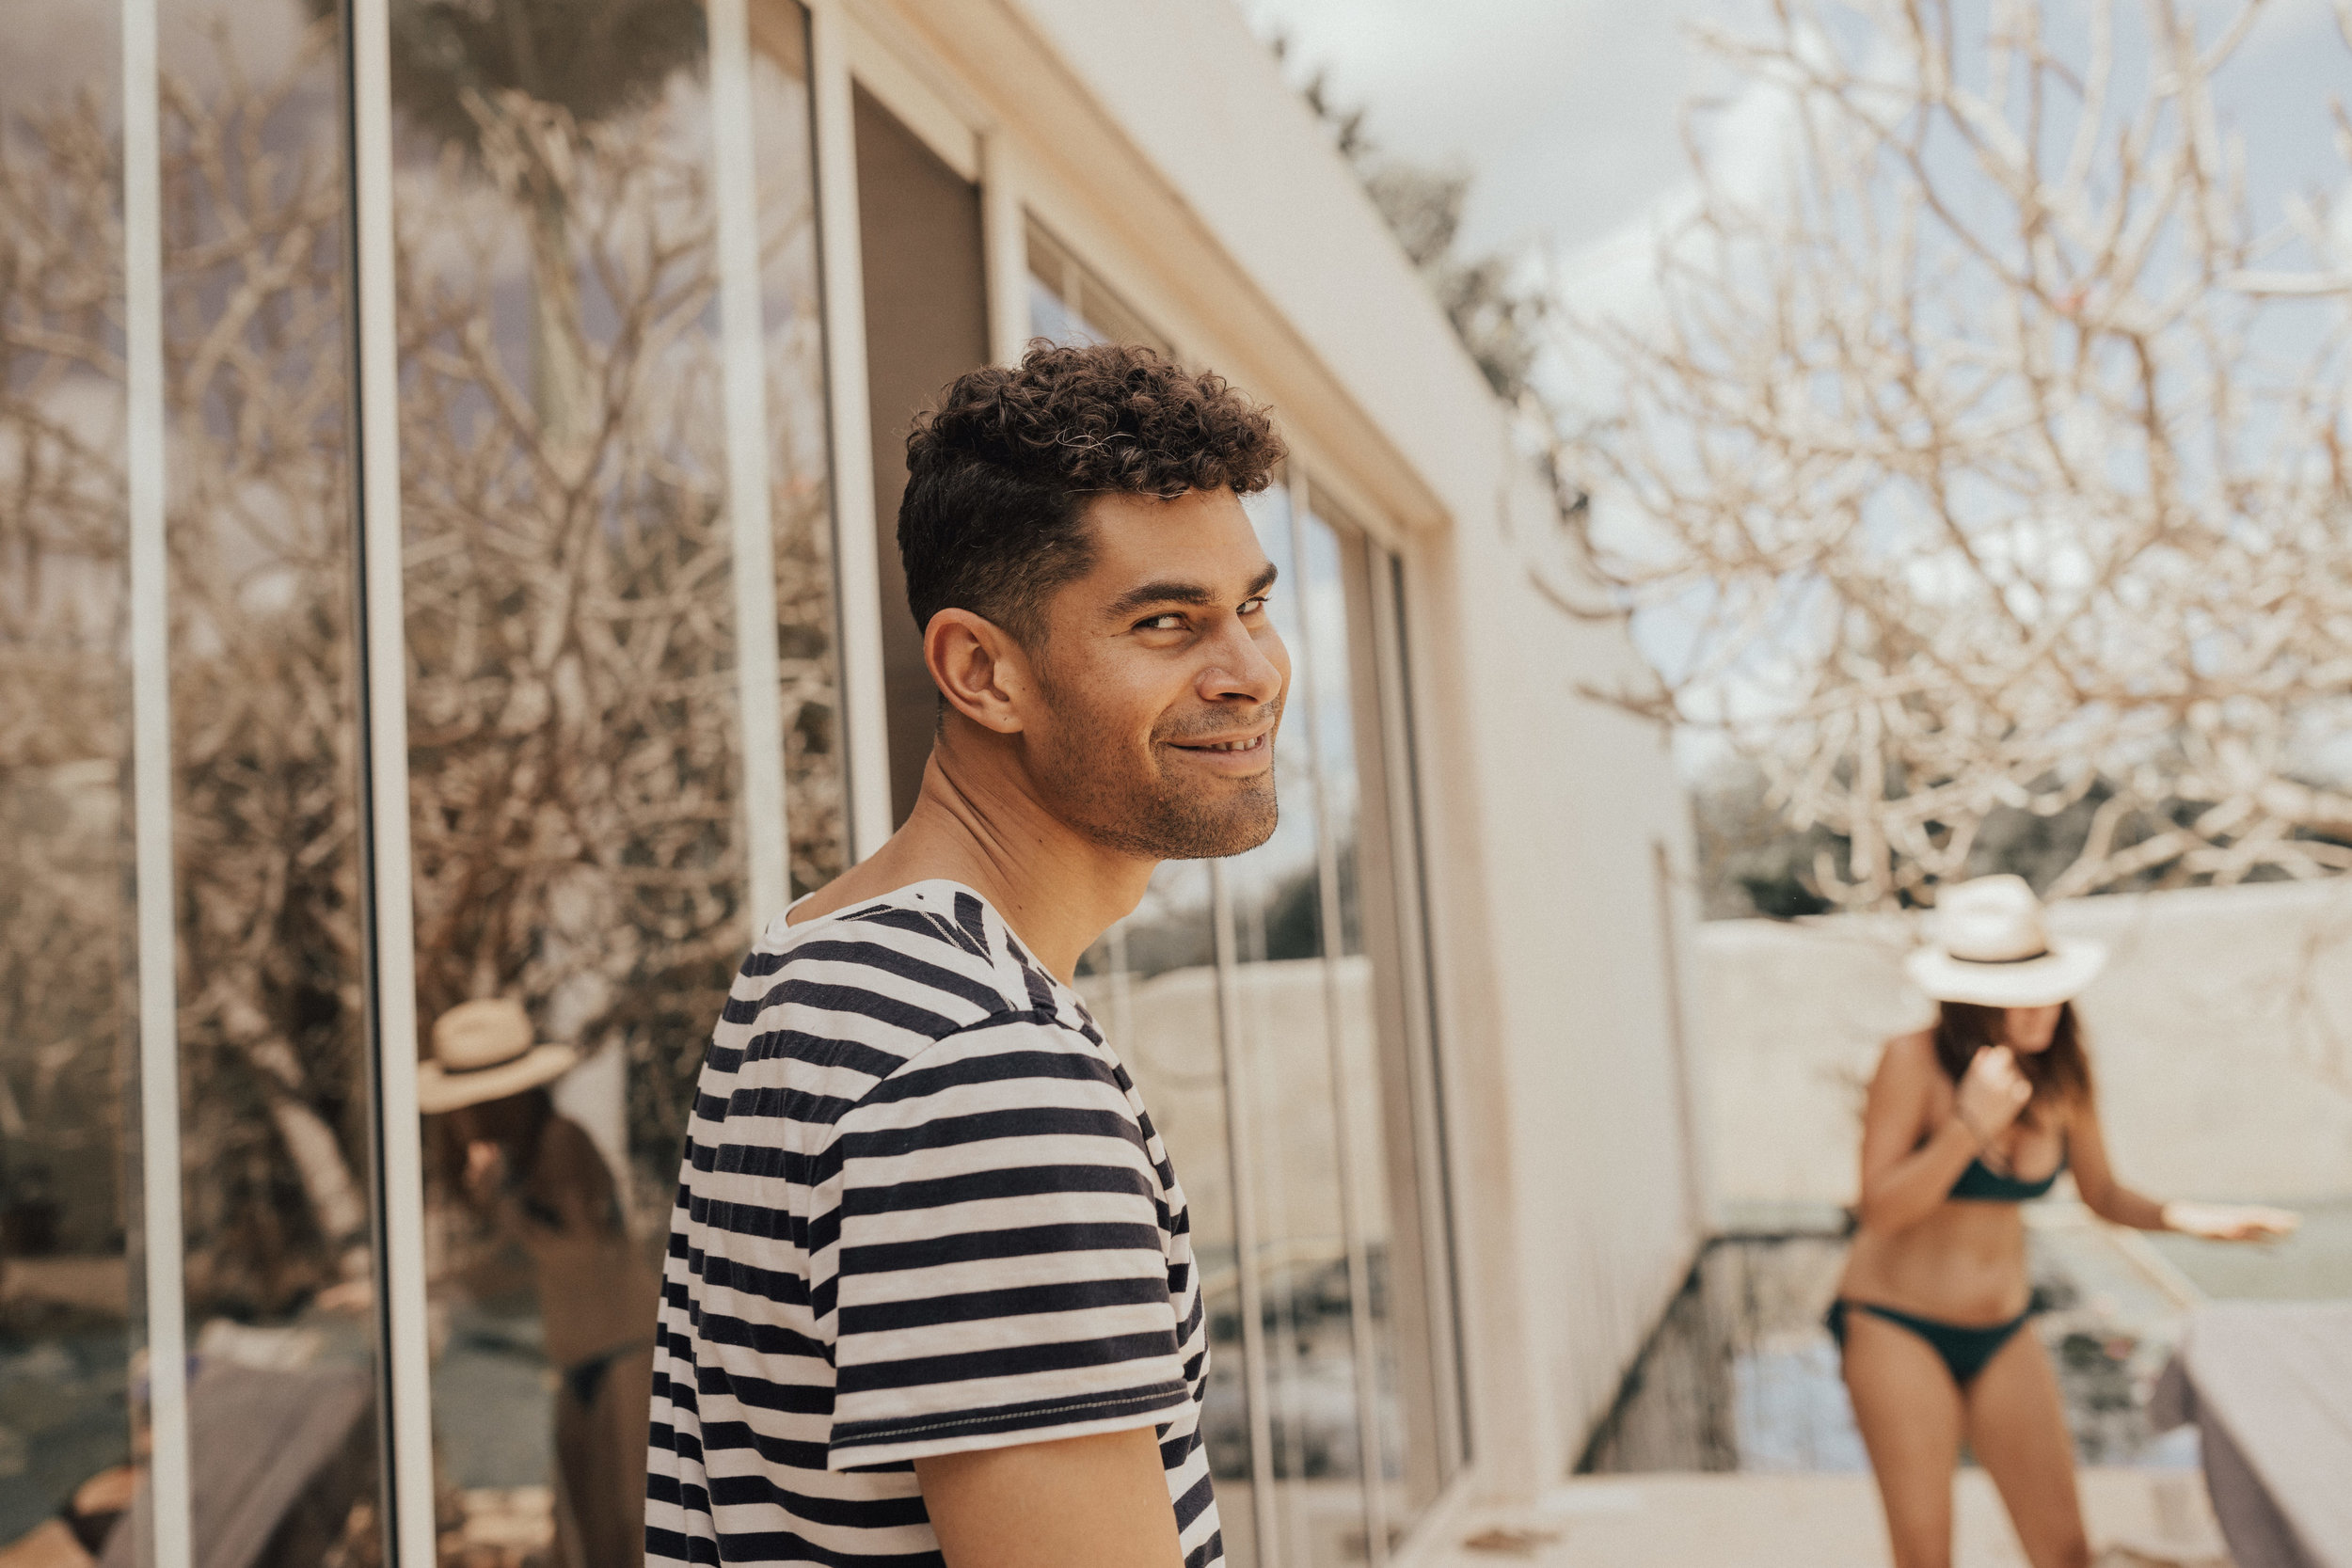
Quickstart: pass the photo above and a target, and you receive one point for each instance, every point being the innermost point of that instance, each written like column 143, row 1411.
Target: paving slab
column 2137, row 1518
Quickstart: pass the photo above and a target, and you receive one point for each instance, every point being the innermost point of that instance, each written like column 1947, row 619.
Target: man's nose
column 1243, row 664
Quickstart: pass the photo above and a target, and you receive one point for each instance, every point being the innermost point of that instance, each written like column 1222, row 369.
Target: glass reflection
column 1368, row 1036
column 1070, row 305
column 574, row 745
column 67, row 1118
column 264, row 731
column 1151, row 984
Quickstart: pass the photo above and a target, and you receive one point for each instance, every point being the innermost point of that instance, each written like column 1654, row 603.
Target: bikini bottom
column 1964, row 1347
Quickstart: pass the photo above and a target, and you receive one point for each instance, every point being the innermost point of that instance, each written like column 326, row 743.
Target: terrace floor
column 2137, row 1518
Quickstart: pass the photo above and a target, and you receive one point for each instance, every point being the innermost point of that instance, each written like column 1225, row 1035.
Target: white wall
column 2220, row 1037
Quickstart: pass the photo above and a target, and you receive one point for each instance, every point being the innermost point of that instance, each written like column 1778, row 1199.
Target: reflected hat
column 483, row 1051
column 1991, row 950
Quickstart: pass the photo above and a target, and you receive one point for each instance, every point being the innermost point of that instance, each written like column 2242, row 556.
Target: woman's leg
column 2017, row 1430
column 1910, row 1413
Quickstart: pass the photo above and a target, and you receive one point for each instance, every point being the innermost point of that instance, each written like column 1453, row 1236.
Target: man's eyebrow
column 1173, row 590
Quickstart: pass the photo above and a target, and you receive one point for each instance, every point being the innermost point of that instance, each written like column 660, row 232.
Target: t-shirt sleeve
column 1000, row 1273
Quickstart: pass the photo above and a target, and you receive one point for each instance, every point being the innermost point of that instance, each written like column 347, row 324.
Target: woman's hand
column 2229, row 1221
column 1992, row 1093
column 486, row 1170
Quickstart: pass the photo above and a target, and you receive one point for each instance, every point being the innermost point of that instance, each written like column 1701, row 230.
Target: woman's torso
column 598, row 1287
column 1966, row 1261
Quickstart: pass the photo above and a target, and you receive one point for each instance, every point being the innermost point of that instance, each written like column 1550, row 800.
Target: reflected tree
column 571, row 655
column 516, row 85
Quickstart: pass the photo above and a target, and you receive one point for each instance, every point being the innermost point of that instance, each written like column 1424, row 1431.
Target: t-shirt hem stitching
column 1172, row 1395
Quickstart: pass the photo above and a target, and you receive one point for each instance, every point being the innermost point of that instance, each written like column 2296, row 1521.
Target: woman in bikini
column 1966, row 1122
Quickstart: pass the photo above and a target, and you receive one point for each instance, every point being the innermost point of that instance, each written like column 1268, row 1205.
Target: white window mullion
column 1004, row 247
column 400, row 1267
column 1241, row 1146
column 167, row 1520
column 743, row 344
column 857, row 581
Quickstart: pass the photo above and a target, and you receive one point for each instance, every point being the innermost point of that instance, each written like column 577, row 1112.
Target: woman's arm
column 2112, row 1201
column 1903, row 1179
column 2094, row 1178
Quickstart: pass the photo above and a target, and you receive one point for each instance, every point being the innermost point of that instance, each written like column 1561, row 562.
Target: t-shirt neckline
column 900, row 898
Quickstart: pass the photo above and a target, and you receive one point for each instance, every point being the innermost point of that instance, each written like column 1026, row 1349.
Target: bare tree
column 1985, row 452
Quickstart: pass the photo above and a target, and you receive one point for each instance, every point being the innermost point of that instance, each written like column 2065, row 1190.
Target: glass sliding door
column 1069, row 305
column 622, row 740
column 1151, row 984
column 276, row 1134
column 586, row 855
column 1381, row 1044
column 70, row 1314
column 174, row 457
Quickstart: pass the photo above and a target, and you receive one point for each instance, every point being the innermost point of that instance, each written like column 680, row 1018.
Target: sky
column 1569, row 113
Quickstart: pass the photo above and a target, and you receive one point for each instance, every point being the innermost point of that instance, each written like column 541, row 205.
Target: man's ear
column 984, row 674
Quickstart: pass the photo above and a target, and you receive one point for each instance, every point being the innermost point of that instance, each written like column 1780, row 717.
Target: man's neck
column 976, row 822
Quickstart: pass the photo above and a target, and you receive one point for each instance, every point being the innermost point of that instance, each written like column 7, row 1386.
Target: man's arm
column 1081, row 1502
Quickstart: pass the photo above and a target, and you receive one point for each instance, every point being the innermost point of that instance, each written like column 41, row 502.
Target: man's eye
column 1170, row 621
column 1254, row 607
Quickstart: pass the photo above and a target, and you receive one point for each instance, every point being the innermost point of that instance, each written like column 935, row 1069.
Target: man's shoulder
column 932, row 958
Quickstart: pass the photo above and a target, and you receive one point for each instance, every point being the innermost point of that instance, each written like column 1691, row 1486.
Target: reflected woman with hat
column 537, row 1181
column 1966, row 1122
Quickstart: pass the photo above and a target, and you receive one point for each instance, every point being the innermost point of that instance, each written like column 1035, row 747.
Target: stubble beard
column 1147, row 814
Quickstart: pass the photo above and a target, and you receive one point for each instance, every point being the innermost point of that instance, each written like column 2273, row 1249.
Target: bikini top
column 1981, row 1184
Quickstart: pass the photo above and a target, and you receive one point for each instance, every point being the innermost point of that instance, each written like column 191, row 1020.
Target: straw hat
column 1991, row 948
column 481, row 1050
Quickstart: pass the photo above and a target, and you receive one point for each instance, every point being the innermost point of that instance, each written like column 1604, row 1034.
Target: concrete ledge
column 2136, row 1517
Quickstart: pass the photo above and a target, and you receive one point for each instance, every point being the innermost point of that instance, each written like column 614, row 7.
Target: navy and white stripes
column 922, row 1210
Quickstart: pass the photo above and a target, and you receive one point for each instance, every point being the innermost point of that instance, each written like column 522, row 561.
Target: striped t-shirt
column 922, row 1210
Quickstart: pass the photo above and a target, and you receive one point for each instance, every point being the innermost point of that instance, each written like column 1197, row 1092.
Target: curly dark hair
column 998, row 475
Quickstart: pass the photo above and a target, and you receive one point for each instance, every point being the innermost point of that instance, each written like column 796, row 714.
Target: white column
column 856, row 574
column 170, row 1545
column 743, row 342
column 400, row 1267
column 1004, row 247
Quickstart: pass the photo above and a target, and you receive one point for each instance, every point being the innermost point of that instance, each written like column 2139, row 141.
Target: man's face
column 1164, row 679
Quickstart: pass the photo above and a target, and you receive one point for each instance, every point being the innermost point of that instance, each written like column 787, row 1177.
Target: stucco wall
column 2220, row 1035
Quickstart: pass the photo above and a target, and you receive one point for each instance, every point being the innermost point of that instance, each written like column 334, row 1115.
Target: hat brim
column 439, row 1091
column 2060, row 976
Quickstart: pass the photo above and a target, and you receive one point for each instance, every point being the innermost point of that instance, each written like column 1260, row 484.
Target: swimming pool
column 1741, row 1374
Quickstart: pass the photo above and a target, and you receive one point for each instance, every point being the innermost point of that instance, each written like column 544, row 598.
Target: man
column 931, row 1293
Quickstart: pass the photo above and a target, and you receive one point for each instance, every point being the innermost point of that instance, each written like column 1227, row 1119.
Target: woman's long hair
column 2058, row 1072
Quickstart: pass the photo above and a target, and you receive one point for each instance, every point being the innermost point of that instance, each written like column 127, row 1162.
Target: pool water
column 1741, row 1374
